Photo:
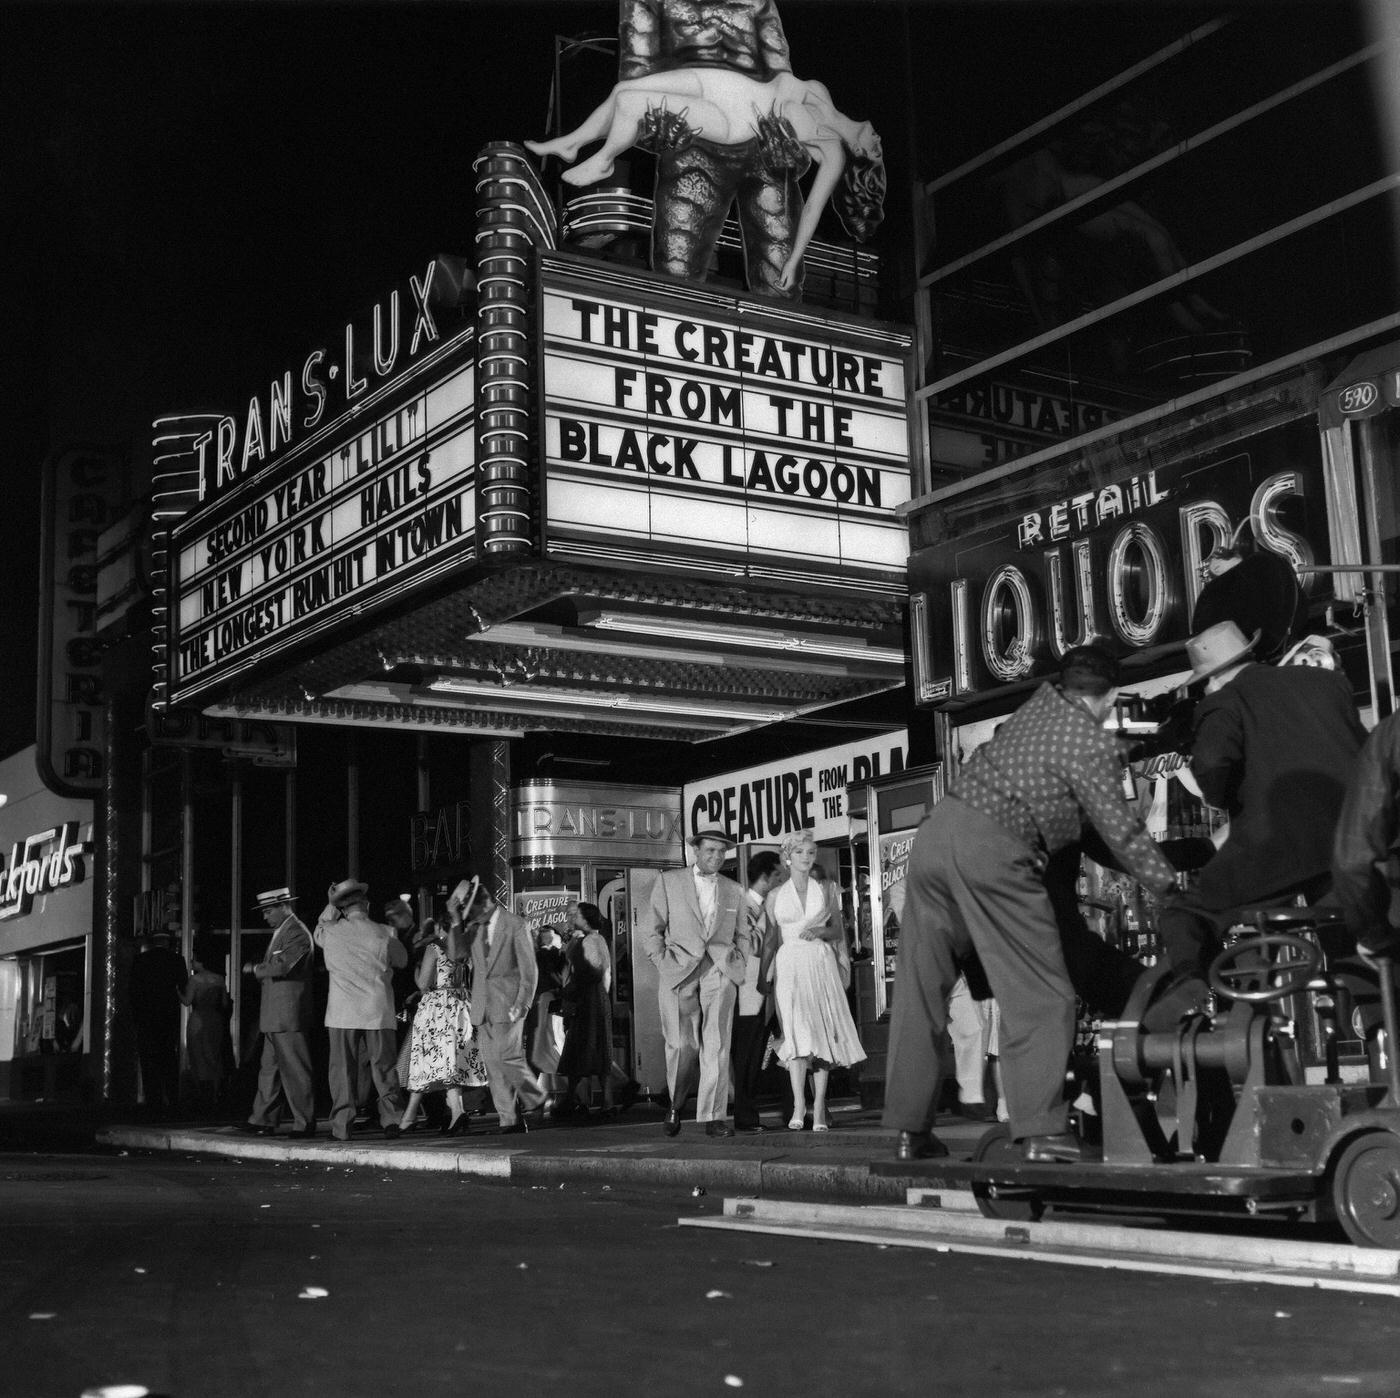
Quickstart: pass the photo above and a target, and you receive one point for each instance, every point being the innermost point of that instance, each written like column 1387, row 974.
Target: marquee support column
column 490, row 815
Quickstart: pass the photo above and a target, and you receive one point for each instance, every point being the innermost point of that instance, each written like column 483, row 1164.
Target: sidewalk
column 631, row 1149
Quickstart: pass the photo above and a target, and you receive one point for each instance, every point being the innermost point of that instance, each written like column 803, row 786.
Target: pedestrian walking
column 284, row 1020
column 361, row 956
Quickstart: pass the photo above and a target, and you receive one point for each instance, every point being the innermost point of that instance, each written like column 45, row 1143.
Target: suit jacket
column 505, row 975
column 1274, row 747
column 285, row 977
column 675, row 938
column 756, row 993
column 361, row 955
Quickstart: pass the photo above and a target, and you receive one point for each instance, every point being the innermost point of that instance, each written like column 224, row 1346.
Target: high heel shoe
column 460, row 1127
column 797, row 1122
column 823, row 1125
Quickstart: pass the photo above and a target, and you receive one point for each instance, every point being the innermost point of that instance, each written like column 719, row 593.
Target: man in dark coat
column 1273, row 746
column 754, row 1006
column 158, row 975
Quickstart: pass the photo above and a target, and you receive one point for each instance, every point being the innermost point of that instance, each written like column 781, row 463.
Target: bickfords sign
column 44, row 863
column 1117, row 565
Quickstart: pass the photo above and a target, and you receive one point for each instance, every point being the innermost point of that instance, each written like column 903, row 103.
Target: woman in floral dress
column 444, row 1056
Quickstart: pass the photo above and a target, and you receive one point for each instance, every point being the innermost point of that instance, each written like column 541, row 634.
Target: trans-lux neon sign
column 42, row 867
column 233, row 449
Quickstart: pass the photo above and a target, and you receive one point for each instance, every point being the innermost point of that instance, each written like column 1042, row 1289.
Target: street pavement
column 189, row 1276
column 628, row 1149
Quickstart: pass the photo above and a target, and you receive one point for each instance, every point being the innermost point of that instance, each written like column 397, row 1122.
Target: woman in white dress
column 818, row 1031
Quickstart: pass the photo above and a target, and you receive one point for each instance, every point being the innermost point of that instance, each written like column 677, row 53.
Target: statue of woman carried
column 792, row 120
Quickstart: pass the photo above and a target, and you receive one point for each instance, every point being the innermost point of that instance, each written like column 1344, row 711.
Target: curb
column 494, row 1166
column 818, row 1179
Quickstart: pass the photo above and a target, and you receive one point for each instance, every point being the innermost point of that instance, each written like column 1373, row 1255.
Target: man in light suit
column 699, row 939
column 284, row 1016
column 504, row 976
column 361, row 956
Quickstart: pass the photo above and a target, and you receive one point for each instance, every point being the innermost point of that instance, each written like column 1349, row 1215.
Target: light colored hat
column 347, row 891
column 1216, row 649
column 712, row 834
column 273, row 897
column 397, row 905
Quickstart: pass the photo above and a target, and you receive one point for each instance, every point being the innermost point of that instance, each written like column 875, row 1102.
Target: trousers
column 510, row 1077
column 697, row 1022
column 975, row 887
column 285, row 1071
column 380, row 1046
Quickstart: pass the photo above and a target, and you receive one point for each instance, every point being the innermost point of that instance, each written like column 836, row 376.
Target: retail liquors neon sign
column 44, row 863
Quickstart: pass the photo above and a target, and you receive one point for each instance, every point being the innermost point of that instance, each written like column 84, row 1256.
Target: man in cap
column 1273, row 746
column 361, row 956
column 699, row 939
column 284, row 1015
column 504, row 976
column 977, row 883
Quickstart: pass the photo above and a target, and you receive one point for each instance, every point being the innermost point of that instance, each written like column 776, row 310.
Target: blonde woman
column 818, row 1031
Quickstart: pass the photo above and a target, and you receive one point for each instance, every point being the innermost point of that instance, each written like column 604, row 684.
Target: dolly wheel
column 1366, row 1190
column 997, row 1147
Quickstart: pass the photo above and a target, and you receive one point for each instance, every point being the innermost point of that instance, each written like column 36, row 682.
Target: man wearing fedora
column 1273, row 746
column 699, row 939
column 361, row 957
column 284, row 1015
column 504, row 976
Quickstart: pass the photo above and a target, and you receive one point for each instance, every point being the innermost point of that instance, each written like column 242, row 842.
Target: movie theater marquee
column 392, row 504
column 707, row 431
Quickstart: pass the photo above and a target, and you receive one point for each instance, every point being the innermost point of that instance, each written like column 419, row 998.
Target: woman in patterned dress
column 444, row 1055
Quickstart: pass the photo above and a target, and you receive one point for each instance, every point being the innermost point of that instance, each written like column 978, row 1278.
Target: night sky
column 193, row 194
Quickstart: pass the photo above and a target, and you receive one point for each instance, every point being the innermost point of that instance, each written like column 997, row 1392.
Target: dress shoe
column 718, row 1128
column 756, row 1130
column 302, row 1133
column 516, row 1128
column 1064, row 1147
column 919, row 1145
column 672, row 1126
column 393, row 1131
column 249, row 1128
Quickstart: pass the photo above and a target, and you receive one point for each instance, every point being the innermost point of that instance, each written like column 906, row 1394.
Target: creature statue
column 706, row 85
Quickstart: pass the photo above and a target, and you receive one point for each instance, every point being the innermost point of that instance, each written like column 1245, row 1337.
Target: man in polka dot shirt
column 976, row 883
